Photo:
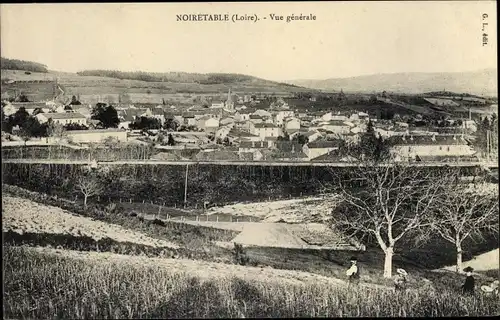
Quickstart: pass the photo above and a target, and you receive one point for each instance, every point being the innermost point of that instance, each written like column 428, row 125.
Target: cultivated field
column 25, row 216
column 42, row 283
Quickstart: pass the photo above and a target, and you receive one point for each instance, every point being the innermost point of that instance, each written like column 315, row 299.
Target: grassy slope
column 93, row 85
column 52, row 285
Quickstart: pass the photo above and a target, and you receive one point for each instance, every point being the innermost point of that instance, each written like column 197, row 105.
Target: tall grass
column 41, row 286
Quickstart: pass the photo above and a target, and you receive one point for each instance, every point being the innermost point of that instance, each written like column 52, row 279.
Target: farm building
column 62, row 118
column 425, row 146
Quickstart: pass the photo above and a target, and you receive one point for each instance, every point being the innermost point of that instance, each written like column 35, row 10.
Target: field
column 80, row 279
column 89, row 87
column 47, row 284
column 34, row 91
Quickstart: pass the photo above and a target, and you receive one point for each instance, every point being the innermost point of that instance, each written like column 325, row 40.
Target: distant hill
column 177, row 77
column 482, row 82
column 14, row 64
column 143, row 87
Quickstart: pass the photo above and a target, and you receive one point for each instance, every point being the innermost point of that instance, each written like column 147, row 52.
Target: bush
column 240, row 256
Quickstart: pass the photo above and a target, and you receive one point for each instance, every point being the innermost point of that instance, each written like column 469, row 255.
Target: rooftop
column 427, row 140
column 65, row 115
column 324, row 144
column 265, row 125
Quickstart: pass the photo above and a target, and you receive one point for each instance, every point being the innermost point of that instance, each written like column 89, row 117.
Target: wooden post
column 186, row 185
column 130, row 200
column 217, row 218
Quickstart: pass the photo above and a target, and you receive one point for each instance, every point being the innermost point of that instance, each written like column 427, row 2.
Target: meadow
column 46, row 287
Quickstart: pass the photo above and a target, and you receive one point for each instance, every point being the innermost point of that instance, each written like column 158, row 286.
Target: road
column 486, row 164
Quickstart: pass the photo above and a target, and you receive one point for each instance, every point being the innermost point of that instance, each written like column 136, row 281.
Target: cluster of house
column 254, row 134
column 61, row 115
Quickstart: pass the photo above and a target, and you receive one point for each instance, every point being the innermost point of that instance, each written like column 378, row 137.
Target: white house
column 318, row 148
column 216, row 104
column 63, row 118
column 410, row 147
column 335, row 126
column 208, row 123
column 254, row 118
column 263, row 113
column 189, row 120
column 251, row 146
column 292, row 124
column 264, row 130
column 281, row 115
column 222, row 132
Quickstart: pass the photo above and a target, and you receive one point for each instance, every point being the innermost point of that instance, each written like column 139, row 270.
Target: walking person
column 353, row 272
column 468, row 286
column 401, row 280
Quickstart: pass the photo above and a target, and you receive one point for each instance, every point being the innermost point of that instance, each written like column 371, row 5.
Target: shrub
column 240, row 256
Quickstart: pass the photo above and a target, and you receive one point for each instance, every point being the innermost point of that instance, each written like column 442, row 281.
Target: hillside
column 482, row 82
column 187, row 88
column 14, row 64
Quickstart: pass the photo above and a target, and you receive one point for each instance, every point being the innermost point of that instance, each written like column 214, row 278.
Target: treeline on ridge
column 14, row 64
column 179, row 77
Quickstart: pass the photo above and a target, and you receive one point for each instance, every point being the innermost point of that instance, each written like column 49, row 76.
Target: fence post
column 151, row 201
column 143, row 201
column 130, row 200
column 217, row 218
column 175, row 205
column 120, row 200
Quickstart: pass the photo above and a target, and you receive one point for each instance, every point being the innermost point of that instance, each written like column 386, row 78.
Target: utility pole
column 488, row 145
column 186, row 186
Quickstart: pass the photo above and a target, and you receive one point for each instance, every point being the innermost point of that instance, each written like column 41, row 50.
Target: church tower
column 229, row 102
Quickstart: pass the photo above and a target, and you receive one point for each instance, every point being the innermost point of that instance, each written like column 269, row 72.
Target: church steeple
column 229, row 102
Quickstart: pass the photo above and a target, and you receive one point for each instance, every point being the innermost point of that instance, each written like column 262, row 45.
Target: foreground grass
column 42, row 286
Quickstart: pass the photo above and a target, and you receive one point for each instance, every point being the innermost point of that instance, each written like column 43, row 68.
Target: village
column 242, row 128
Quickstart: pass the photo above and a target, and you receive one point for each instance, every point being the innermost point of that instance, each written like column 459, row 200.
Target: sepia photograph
column 303, row 159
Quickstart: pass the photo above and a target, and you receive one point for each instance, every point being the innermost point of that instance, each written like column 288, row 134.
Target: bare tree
column 384, row 202
column 88, row 186
column 464, row 213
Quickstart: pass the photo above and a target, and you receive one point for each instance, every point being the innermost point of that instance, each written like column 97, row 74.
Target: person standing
column 353, row 272
column 400, row 281
column 468, row 286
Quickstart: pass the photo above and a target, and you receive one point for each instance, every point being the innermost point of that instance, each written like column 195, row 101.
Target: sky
column 346, row 39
